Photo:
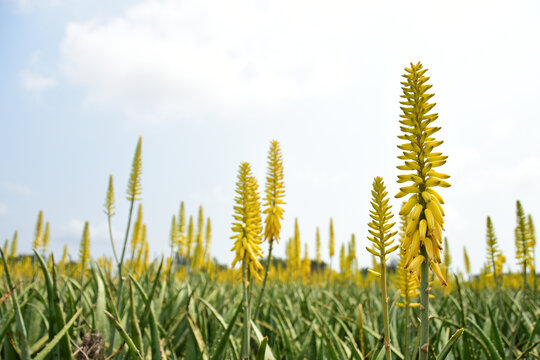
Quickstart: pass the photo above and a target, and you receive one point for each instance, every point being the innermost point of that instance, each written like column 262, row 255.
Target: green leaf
column 262, row 349
column 220, row 350
column 485, row 339
column 21, row 329
column 448, row 347
column 131, row 345
column 268, row 355
column 201, row 346
column 43, row 353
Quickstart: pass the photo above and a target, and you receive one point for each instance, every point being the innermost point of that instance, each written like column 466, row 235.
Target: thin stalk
column 407, row 325
column 112, row 240
column 424, row 308
column 266, row 270
column 245, row 347
column 385, row 311
column 120, row 267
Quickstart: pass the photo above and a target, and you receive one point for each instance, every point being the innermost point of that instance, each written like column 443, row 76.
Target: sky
column 208, row 84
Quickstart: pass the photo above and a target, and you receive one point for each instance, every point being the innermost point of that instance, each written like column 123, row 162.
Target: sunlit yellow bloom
column 275, row 192
column 425, row 216
column 492, row 251
column 247, row 222
column 134, row 189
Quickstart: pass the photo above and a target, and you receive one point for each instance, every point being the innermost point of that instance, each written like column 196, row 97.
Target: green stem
column 407, row 326
column 424, row 308
column 385, row 311
column 247, row 317
column 112, row 240
column 120, row 267
column 266, row 270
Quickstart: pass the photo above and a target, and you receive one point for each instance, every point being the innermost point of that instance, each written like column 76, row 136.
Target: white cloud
column 168, row 57
column 36, row 83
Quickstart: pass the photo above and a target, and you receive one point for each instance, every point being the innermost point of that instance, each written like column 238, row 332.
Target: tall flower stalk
column 275, row 192
column 133, row 193
column 382, row 239
column 318, row 257
column 13, row 252
column 492, row 251
column 109, row 211
column 247, row 230
column 423, row 235
column 523, row 249
column 182, row 231
column 466, row 261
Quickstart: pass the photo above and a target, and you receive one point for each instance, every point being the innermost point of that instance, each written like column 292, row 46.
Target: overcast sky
column 208, row 84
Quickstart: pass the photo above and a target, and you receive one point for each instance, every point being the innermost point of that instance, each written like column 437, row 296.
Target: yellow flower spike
column 134, row 184
column 109, row 198
column 318, row 257
column 46, row 238
column 84, row 250
column 275, row 192
column 466, row 261
column 182, row 230
column 189, row 238
column 208, row 240
column 523, row 243
column 381, row 242
column 13, row 252
column 331, row 240
column 38, row 234
column 247, row 225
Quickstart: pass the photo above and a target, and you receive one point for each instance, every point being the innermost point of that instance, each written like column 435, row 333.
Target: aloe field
column 185, row 305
